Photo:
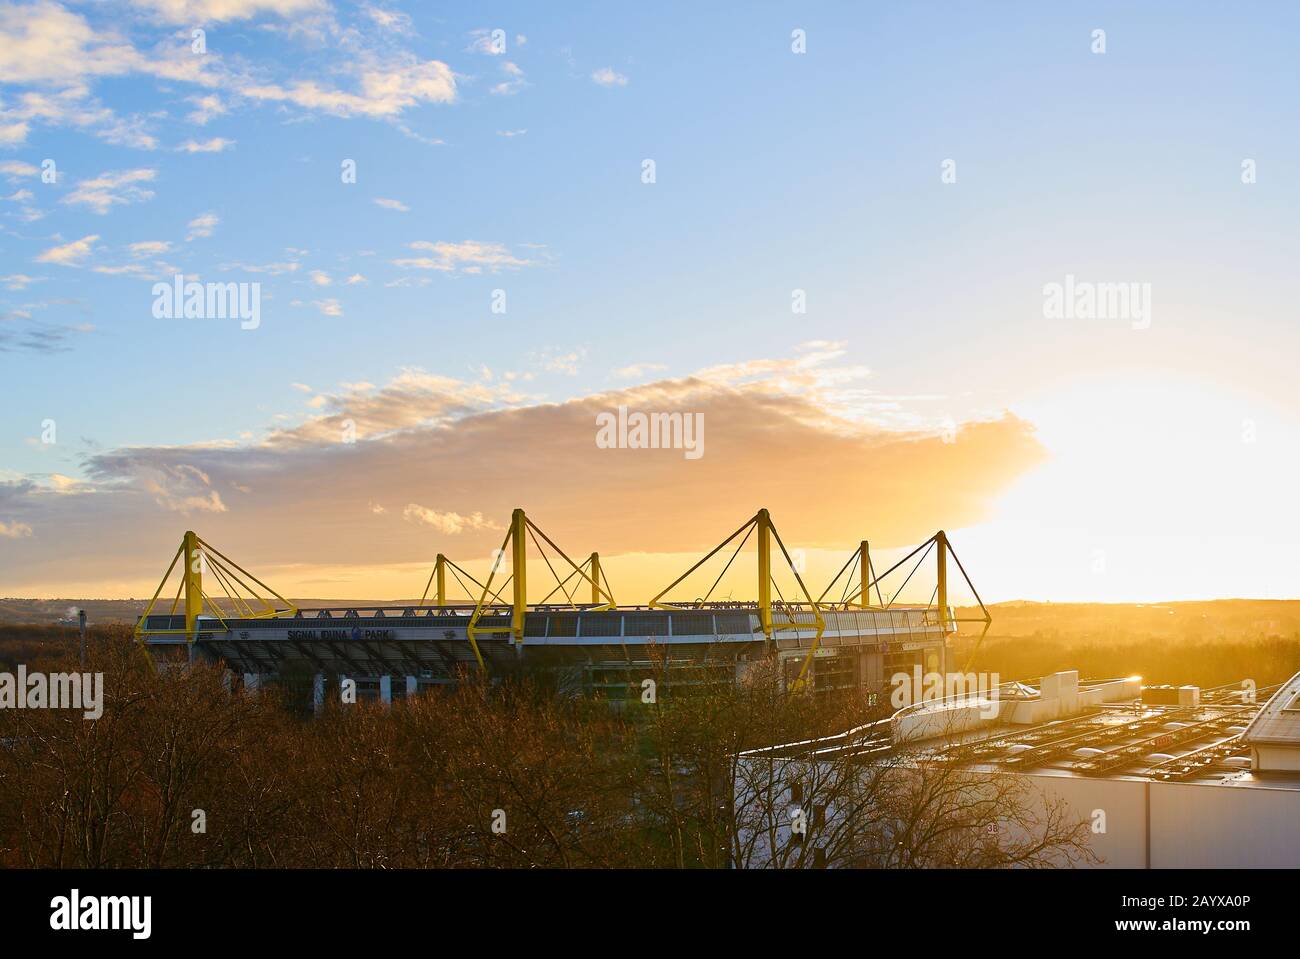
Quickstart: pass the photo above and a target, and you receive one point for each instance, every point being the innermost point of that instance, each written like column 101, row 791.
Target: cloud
column 608, row 77
column 449, row 522
column 14, row 530
column 514, row 81
column 385, row 90
column 205, row 108
column 197, row 12
column 45, row 43
column 277, row 268
column 149, row 248
column 554, row 361
column 388, row 204
column 481, row 41
column 59, row 56
column 16, row 168
column 467, row 256
column 115, row 187
column 393, row 20
column 511, row 133
column 414, row 399
column 329, row 307
column 180, row 488
column 637, row 370
column 203, row 225
column 12, row 134
column 18, row 281
column 356, row 278
column 460, row 446
column 320, row 278
column 19, row 333
column 215, row 145
column 70, row 254
column 130, row 269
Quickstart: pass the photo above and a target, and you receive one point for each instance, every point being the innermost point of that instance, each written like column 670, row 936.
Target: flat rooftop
column 1135, row 740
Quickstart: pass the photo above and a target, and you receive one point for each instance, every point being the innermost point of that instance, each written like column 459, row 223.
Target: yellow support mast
column 595, row 579
column 197, row 558
column 941, row 593
column 516, row 540
column 193, row 584
column 864, row 560
column 519, row 562
column 763, row 526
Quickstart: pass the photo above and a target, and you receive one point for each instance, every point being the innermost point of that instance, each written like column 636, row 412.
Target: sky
column 830, row 230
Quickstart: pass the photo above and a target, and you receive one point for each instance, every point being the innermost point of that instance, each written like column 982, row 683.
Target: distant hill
column 1192, row 621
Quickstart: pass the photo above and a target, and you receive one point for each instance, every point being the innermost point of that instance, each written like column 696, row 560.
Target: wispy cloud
column 17, row 168
column 393, row 20
column 14, row 530
column 389, row 204
column 149, row 248
column 186, row 12
column 113, row 188
column 215, row 145
column 202, row 225
column 70, row 254
column 467, row 256
column 205, row 108
column 383, row 91
column 608, row 77
column 560, row 361
column 449, row 522
column 637, row 370
column 18, row 281
column 483, row 41
column 514, row 81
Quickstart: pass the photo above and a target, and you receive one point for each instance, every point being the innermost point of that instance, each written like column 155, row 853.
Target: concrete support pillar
column 386, row 689
column 252, row 682
column 412, row 687
column 318, row 693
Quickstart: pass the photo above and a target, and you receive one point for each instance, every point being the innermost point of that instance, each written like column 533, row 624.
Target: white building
column 1164, row 777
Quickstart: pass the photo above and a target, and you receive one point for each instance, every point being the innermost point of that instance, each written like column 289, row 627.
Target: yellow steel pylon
column 761, row 523
column 516, row 540
column 199, row 557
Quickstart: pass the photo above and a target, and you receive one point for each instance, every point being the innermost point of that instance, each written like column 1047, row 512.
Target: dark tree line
column 181, row 771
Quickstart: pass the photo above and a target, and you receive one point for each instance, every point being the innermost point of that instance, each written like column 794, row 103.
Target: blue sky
column 775, row 171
